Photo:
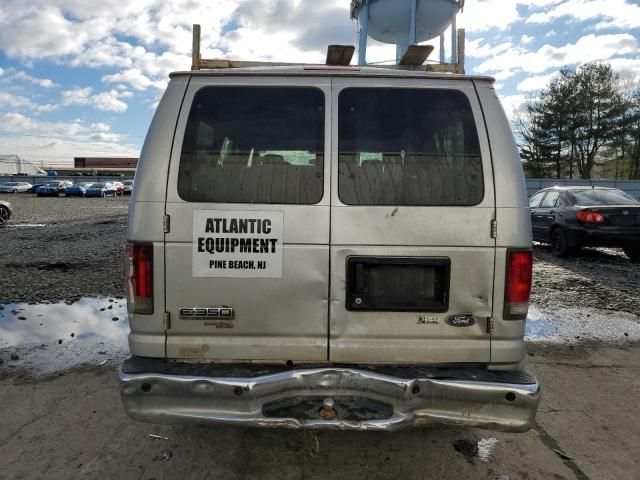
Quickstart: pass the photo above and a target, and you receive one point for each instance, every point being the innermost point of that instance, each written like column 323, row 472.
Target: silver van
column 329, row 247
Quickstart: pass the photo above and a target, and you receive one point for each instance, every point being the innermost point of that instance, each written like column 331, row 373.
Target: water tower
column 405, row 23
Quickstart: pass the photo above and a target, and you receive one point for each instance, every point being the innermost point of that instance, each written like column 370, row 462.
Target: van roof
column 328, row 70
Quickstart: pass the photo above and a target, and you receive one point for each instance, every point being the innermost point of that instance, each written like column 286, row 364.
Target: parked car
column 100, row 190
column 119, row 186
column 52, row 189
column 15, row 187
column 572, row 217
column 128, row 187
column 77, row 189
column 5, row 212
column 355, row 277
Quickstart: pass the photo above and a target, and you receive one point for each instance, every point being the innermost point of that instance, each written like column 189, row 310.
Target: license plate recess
column 413, row 284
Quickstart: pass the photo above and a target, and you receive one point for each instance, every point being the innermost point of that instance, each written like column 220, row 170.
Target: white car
column 15, row 187
column 128, row 187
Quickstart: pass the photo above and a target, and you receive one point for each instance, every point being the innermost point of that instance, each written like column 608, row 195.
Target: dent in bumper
column 410, row 402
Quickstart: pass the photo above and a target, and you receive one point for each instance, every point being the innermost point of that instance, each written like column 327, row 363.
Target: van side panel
column 146, row 210
column 513, row 221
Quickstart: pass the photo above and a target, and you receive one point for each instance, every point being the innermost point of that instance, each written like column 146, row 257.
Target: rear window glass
column 254, row 145
column 601, row 197
column 408, row 147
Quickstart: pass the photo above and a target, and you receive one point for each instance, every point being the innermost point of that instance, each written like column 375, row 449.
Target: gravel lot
column 62, row 248
column 70, row 424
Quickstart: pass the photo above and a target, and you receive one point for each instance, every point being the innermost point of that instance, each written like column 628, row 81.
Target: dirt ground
column 62, row 248
column 70, row 424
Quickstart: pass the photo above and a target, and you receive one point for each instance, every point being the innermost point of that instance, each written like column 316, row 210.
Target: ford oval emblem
column 461, row 320
column 625, row 212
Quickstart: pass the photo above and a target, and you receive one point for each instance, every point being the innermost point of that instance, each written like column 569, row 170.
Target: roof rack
column 339, row 56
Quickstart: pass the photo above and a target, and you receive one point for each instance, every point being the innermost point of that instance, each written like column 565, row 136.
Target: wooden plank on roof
column 416, row 55
column 340, row 54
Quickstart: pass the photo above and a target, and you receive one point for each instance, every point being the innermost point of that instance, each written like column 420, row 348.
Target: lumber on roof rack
column 337, row 55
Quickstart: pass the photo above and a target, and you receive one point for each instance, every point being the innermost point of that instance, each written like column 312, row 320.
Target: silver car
column 15, row 187
column 329, row 248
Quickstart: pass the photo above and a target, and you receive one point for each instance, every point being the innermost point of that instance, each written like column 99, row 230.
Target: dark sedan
column 5, row 212
column 572, row 217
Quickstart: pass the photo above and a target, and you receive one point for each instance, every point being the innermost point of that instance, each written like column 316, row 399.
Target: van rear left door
column 247, row 255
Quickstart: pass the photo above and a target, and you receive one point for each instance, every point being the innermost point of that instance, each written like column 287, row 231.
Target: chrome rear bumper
column 361, row 398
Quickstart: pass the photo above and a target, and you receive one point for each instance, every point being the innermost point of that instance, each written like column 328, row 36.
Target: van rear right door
column 412, row 253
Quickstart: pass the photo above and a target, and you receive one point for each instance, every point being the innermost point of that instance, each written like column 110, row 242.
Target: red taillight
column 590, row 217
column 140, row 278
column 518, row 284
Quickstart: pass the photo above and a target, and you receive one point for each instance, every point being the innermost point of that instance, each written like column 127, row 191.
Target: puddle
column 52, row 337
column 472, row 450
column 571, row 325
column 26, row 225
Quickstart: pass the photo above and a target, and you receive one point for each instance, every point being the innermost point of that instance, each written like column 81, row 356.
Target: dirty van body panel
column 393, row 206
column 146, row 211
column 288, row 221
column 236, row 174
column 513, row 223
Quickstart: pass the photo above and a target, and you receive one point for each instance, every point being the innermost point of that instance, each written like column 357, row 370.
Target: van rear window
column 400, row 146
column 254, row 145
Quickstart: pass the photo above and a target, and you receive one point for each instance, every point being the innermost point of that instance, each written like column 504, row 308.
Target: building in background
column 15, row 165
column 105, row 162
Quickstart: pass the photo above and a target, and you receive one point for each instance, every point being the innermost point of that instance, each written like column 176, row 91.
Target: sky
column 83, row 78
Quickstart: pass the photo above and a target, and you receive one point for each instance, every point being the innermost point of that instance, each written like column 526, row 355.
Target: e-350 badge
column 206, row 313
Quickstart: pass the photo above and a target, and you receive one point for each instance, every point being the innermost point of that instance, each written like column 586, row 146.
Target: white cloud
column 41, row 82
column 616, row 14
column 16, row 122
column 8, row 100
column 134, row 77
column 479, row 16
column 60, row 141
column 535, row 82
column 76, row 96
column 11, row 101
column 108, row 101
column 526, row 39
column 587, row 49
column 101, row 127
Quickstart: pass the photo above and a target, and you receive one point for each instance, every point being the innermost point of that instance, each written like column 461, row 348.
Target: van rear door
column 412, row 253
column 247, row 252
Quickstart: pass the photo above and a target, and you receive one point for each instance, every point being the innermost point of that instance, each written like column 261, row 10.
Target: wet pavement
column 573, row 325
column 50, row 338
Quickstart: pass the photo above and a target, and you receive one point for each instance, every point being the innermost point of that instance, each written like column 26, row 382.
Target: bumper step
column 385, row 397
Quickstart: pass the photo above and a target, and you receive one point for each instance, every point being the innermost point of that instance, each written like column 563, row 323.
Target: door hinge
column 166, row 223
column 490, row 326
column 494, row 229
column 166, row 321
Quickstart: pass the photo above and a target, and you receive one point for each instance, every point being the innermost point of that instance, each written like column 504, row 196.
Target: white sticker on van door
column 244, row 244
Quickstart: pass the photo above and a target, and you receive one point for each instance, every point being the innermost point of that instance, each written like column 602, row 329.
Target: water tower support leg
column 442, row 48
column 454, row 40
column 364, row 32
column 412, row 28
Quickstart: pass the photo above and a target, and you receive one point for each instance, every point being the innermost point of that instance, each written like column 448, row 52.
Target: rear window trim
column 480, row 130
column 259, row 86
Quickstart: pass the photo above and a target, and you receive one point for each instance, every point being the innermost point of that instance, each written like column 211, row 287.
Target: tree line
column 585, row 123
